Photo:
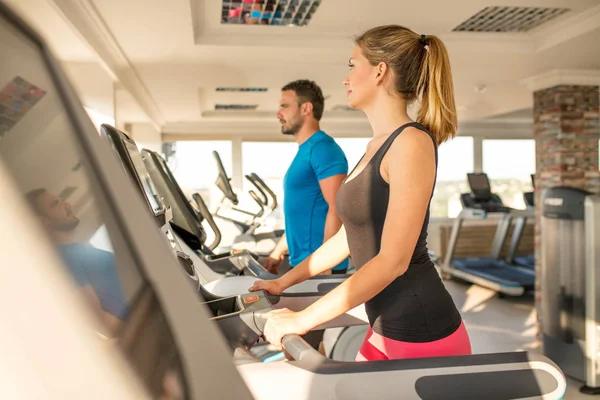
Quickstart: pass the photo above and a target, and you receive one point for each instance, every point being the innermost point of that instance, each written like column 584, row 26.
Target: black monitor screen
column 147, row 185
column 184, row 216
column 480, row 185
column 479, row 182
column 42, row 150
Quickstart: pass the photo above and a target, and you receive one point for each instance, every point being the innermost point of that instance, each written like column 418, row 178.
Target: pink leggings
column 376, row 347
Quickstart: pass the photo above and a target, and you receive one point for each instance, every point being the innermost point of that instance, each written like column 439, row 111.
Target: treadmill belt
column 525, row 261
column 495, row 271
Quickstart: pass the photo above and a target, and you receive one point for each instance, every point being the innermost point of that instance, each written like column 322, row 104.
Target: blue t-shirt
column 305, row 208
column 91, row 266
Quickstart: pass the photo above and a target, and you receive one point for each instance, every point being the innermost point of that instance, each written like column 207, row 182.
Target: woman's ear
column 381, row 71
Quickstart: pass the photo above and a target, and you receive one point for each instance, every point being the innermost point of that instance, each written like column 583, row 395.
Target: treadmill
column 489, row 271
column 172, row 345
column 239, row 319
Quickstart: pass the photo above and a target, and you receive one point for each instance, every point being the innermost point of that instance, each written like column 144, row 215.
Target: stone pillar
column 567, row 131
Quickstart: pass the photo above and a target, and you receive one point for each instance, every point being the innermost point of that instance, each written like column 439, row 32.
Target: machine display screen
column 149, row 189
column 479, row 182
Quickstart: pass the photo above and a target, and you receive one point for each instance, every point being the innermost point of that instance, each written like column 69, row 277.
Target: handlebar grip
column 300, row 350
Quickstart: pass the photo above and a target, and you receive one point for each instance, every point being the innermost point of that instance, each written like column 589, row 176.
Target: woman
column 384, row 207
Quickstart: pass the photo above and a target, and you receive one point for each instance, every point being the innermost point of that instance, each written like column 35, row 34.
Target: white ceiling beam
column 271, row 130
column 551, row 35
column 557, row 77
column 85, row 19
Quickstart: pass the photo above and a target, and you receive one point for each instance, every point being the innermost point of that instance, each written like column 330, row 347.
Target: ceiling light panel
column 509, row 19
column 269, row 12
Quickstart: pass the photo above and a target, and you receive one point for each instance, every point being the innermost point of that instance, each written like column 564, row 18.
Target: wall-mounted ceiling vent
column 509, row 19
column 269, row 12
column 242, row 89
column 236, row 107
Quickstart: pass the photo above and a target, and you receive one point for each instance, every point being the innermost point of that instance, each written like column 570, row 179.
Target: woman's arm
column 411, row 173
column 330, row 254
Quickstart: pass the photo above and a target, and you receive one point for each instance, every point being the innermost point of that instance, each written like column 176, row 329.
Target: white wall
column 146, row 136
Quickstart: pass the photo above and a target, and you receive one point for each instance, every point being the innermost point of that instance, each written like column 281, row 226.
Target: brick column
column 566, row 130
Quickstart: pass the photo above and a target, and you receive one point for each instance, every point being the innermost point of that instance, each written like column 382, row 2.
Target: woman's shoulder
column 413, row 136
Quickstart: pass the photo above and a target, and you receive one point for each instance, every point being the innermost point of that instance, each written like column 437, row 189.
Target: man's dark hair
column 308, row 92
column 32, row 197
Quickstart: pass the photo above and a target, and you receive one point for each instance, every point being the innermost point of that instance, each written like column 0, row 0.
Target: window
column 195, row 169
column 39, row 148
column 455, row 160
column 354, row 148
column 509, row 165
column 270, row 168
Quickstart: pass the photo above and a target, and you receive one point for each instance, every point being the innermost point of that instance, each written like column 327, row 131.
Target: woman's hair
column 421, row 70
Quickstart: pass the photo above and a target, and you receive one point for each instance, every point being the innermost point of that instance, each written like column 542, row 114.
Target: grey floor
column 501, row 324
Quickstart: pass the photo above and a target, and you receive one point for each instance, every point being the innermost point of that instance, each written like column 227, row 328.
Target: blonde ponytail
column 436, row 91
column 421, row 69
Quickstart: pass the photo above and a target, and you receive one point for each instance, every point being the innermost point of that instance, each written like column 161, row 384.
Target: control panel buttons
column 250, row 299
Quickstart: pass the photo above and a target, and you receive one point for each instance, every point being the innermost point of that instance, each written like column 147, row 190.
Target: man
column 312, row 180
column 93, row 270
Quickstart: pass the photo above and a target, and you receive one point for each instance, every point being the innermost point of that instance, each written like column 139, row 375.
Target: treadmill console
column 239, row 317
column 481, row 196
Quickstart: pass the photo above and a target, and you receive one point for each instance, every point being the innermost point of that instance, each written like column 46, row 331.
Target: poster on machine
column 16, row 99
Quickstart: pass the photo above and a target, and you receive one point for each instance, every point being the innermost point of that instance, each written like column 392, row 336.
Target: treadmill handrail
column 267, row 189
column 205, row 212
column 257, row 200
column 223, row 182
column 264, row 199
column 300, row 350
column 521, row 221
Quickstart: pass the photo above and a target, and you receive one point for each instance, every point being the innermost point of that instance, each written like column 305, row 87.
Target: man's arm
column 329, row 188
column 111, row 323
column 331, row 168
column 272, row 263
column 280, row 248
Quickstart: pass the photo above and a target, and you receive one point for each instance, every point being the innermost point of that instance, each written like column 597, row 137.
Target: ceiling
column 165, row 58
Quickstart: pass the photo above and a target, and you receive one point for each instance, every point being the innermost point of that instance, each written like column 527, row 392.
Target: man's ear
column 307, row 109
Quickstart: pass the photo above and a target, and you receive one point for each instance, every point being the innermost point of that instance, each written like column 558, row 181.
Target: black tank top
column 415, row 307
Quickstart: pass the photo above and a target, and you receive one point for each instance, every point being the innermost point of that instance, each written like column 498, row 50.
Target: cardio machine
column 489, row 271
column 570, row 262
column 170, row 326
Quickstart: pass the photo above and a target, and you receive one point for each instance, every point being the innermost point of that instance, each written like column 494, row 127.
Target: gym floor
column 501, row 324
